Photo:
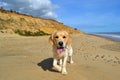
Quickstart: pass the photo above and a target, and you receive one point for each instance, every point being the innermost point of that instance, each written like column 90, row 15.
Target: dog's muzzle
column 60, row 44
column 60, row 47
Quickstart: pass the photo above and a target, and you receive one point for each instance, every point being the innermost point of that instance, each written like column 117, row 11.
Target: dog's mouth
column 60, row 50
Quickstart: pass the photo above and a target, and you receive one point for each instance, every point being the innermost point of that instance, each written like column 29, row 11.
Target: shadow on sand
column 46, row 64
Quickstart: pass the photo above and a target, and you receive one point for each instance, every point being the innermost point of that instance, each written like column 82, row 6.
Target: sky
column 85, row 15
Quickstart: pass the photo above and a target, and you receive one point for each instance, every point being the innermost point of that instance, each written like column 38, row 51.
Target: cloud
column 41, row 8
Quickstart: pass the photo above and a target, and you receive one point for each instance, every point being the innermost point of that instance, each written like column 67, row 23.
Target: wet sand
column 30, row 58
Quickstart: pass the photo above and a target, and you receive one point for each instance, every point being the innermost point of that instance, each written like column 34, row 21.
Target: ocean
column 111, row 35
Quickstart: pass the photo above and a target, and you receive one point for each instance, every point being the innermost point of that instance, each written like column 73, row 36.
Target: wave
column 113, row 36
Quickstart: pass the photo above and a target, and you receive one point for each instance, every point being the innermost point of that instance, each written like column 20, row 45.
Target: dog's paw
column 71, row 62
column 59, row 69
column 64, row 72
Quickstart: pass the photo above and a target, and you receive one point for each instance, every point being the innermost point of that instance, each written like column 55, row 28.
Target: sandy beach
column 30, row 58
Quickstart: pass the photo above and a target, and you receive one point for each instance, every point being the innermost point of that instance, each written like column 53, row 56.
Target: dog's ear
column 69, row 41
column 51, row 39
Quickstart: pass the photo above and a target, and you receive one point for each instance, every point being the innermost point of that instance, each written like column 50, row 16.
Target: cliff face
column 12, row 22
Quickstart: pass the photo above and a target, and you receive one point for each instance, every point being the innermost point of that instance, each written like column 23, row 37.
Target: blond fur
column 54, row 39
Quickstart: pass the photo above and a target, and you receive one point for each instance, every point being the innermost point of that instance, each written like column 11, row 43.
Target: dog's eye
column 64, row 36
column 56, row 37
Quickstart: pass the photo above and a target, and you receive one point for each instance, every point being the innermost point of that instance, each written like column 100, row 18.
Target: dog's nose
column 60, row 43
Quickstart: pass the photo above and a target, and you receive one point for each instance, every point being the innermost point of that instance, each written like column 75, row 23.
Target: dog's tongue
column 59, row 51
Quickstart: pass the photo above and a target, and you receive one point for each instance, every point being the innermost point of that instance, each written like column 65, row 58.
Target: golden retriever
column 61, row 43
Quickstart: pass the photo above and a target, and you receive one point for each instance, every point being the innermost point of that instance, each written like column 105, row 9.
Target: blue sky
column 90, row 15
column 85, row 15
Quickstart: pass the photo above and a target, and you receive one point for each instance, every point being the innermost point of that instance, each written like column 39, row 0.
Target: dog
column 62, row 50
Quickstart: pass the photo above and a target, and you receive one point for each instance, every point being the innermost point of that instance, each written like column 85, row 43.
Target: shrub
column 22, row 19
column 75, row 28
column 29, row 33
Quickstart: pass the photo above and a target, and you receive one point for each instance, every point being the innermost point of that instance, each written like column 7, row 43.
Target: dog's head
column 60, row 39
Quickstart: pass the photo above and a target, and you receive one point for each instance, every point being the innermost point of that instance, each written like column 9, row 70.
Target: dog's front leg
column 60, row 62
column 57, row 67
column 64, row 65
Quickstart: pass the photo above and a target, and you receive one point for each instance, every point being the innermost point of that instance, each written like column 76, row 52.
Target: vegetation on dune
column 27, row 25
column 29, row 33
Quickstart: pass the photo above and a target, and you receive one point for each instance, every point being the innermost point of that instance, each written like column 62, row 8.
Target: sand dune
column 30, row 58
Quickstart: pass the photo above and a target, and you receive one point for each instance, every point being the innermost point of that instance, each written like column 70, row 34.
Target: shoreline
column 105, row 37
